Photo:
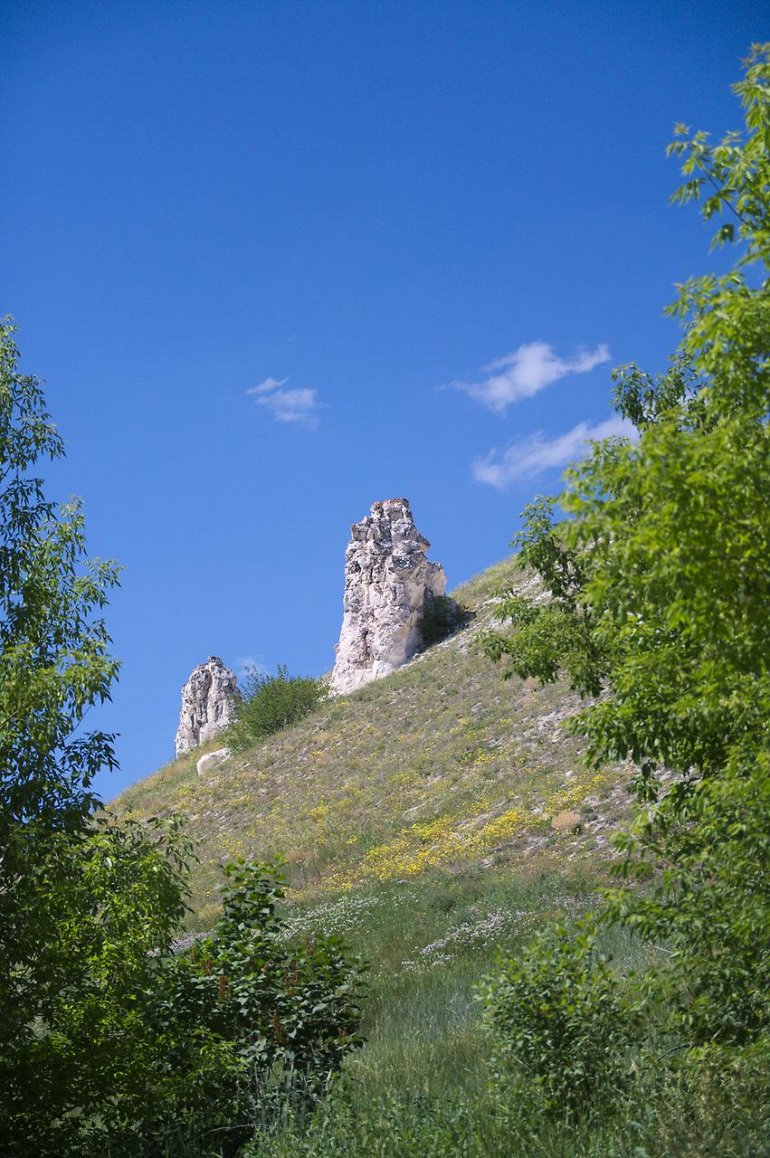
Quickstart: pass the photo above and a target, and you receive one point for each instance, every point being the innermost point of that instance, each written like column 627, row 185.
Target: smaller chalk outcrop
column 211, row 759
column 209, row 699
column 389, row 584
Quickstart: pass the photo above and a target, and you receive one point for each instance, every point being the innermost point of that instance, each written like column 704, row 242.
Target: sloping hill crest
column 440, row 765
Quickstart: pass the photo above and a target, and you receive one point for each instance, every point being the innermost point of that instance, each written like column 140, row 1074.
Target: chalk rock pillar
column 209, row 699
column 389, row 582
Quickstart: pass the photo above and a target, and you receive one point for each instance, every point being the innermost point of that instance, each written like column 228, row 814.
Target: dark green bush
column 441, row 617
column 245, row 1026
column 563, row 1022
column 272, row 702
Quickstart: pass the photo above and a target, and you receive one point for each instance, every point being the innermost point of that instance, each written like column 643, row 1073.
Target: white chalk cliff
column 389, row 583
column 209, row 699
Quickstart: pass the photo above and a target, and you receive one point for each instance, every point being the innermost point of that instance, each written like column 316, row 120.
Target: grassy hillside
column 442, row 765
column 415, row 819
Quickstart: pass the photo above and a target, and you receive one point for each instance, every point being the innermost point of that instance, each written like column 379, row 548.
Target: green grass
column 668, row 1116
column 424, row 1085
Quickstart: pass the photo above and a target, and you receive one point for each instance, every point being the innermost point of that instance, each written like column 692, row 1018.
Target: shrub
column 562, row 1019
column 441, row 617
column 78, row 1047
column 271, row 703
column 246, row 1024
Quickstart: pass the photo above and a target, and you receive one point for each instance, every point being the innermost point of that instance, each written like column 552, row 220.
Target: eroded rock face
column 389, row 582
column 209, row 699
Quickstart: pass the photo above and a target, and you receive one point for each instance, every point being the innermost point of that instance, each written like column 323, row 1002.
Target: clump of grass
column 668, row 1115
column 425, row 1085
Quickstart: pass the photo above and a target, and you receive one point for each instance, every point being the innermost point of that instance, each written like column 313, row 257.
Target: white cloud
column 268, row 385
column 531, row 456
column 527, row 371
column 296, row 405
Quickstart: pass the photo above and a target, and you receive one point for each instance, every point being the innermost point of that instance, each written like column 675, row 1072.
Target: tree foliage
column 82, row 901
column 54, row 661
column 659, row 586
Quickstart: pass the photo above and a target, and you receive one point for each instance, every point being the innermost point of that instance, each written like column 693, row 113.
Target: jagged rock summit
column 389, row 583
column 209, row 699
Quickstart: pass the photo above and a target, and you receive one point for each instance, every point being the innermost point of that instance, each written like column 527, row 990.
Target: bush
column 563, row 1020
column 78, row 1046
column 441, row 617
column 246, row 1025
column 271, row 703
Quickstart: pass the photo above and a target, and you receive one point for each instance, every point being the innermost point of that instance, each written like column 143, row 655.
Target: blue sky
column 276, row 261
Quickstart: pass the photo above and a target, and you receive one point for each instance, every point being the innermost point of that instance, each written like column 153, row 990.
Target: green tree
column 54, row 661
column 82, row 901
column 660, row 588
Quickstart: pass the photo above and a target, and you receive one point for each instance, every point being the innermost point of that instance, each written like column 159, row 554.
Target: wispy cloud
column 295, row 405
column 527, row 371
column 531, row 456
